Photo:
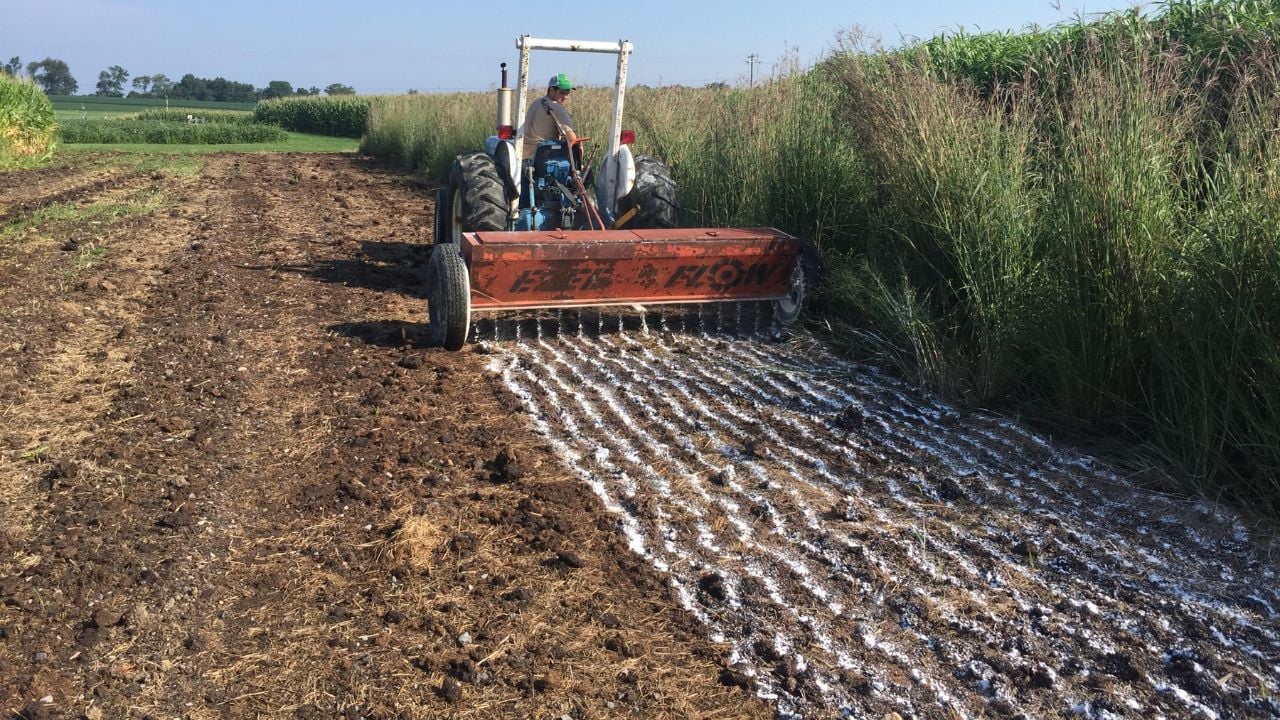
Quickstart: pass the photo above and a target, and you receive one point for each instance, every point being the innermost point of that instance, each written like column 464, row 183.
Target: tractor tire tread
column 654, row 195
column 484, row 198
column 449, row 298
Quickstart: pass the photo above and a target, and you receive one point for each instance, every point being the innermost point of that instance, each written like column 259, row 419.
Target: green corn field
column 160, row 132
column 196, row 115
column 27, row 125
column 338, row 115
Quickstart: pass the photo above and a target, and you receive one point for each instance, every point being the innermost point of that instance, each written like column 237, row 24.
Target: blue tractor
column 494, row 190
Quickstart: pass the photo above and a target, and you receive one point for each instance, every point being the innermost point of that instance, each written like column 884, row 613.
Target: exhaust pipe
column 504, row 108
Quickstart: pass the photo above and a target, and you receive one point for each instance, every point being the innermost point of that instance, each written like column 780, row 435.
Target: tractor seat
column 550, row 150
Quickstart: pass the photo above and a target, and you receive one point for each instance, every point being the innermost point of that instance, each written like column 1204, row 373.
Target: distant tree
column 54, row 76
column 339, row 89
column 412, row 91
column 111, row 81
column 302, row 92
column 190, row 87
column 104, row 85
column 224, row 90
column 14, row 66
column 276, row 88
column 142, row 83
column 160, row 84
column 314, row 90
column 717, row 86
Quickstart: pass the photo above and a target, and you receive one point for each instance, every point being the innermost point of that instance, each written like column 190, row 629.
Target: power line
column 753, row 59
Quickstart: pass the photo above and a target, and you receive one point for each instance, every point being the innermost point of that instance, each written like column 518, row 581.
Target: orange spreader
column 576, row 268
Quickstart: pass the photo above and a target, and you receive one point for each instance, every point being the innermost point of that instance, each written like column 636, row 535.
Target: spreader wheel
column 448, row 297
column 804, row 281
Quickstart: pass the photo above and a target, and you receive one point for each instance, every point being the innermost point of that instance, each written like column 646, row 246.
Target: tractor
column 515, row 234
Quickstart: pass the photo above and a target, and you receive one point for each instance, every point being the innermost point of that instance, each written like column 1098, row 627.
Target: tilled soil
column 869, row 551
column 236, row 483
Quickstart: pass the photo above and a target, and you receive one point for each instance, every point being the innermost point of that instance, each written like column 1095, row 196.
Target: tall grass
column 1096, row 243
column 777, row 155
column 951, row 268
column 1212, row 388
column 27, row 125
column 426, row 132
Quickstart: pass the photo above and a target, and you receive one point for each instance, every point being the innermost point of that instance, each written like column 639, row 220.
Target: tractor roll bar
column 621, row 48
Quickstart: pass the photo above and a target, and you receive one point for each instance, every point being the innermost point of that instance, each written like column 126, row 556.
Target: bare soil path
column 234, row 482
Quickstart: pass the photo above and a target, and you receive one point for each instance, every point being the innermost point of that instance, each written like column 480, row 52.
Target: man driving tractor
column 547, row 118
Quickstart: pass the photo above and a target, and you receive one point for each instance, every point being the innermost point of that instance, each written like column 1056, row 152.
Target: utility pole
column 753, row 60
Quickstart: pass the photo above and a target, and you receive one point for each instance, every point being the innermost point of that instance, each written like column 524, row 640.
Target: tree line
column 55, row 77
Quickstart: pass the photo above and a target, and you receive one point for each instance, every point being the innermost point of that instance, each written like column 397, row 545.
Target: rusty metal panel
column 519, row 270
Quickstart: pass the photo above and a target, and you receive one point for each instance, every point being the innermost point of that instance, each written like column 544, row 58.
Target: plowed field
column 235, row 481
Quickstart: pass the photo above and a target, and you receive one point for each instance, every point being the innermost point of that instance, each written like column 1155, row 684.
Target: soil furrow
column 1009, row 597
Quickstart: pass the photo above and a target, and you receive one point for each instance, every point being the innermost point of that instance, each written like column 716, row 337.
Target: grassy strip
column 124, row 104
column 158, row 132
column 137, row 204
column 338, row 116
column 230, row 117
column 293, row 142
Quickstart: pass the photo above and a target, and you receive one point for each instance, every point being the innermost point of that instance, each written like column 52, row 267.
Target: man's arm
column 561, row 117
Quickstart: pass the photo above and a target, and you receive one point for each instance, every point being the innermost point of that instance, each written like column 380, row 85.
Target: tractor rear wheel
column 654, row 195
column 475, row 200
column 448, row 297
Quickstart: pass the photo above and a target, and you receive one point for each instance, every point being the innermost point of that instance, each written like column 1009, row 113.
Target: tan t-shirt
column 539, row 124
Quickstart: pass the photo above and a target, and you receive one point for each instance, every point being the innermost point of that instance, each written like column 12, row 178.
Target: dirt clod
column 617, row 644
column 107, row 617
column 567, row 559
column 183, row 517
column 737, row 677
column 850, row 419
column 712, row 587
column 506, row 466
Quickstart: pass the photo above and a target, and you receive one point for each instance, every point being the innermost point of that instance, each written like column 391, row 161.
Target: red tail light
column 628, row 137
column 506, row 132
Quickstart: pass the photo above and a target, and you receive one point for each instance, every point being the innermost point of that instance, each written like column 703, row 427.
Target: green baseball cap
column 560, row 81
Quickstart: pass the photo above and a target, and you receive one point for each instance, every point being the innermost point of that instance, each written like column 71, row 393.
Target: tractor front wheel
column 448, row 297
column 475, row 200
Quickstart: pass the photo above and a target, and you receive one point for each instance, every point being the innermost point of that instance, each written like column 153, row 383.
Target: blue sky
column 391, row 45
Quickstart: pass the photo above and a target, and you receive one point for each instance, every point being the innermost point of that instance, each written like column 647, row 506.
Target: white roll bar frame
column 621, row 48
